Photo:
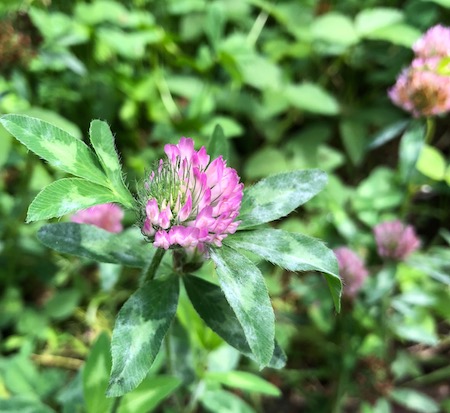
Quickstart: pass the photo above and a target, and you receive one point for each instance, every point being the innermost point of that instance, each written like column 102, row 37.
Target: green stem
column 150, row 271
column 116, row 404
column 431, row 128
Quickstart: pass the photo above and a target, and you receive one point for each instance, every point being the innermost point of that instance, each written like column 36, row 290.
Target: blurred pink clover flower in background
column 106, row 216
column 351, row 269
column 395, row 240
column 421, row 90
column 434, row 43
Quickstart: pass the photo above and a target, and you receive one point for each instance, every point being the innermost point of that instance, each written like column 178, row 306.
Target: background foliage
column 294, row 85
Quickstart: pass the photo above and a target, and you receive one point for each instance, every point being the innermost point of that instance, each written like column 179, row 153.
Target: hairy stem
column 149, row 272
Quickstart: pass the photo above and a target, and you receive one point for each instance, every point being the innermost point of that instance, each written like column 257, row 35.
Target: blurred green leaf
column 278, row 195
column 312, row 98
column 414, row 400
column 56, row 146
column 146, row 397
column 370, row 20
column 223, row 401
column 410, row 147
column 218, row 144
column 334, row 27
column 95, row 376
column 23, row 405
column 5, row 145
column 212, row 306
column 431, row 163
column 401, row 34
column 258, row 167
column 353, row 135
column 244, row 381
column 388, row 133
column 245, row 290
column 140, row 328
column 62, row 304
column 96, row 244
column 67, row 195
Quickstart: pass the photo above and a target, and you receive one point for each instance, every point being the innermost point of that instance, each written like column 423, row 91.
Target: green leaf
column 401, row 34
column 326, row 26
column 62, row 304
column 257, row 166
column 245, row 290
column 292, row 251
column 103, row 142
column 55, row 146
column 410, row 147
column 244, row 381
column 65, row 196
column 218, row 144
column 353, row 136
column 431, row 163
column 148, row 394
column 443, row 3
column 223, row 401
column 388, row 133
column 96, row 375
column 5, row 145
column 278, row 195
column 412, row 399
column 96, row 244
column 23, row 405
column 312, row 98
column 140, row 328
column 53, row 118
column 210, row 303
column 370, row 20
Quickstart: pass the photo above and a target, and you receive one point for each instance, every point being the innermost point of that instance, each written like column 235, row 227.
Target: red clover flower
column 189, row 201
column 351, row 269
column 395, row 240
column 421, row 90
column 434, row 43
column 106, row 216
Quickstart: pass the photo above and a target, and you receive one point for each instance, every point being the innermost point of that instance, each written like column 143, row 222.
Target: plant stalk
column 149, row 273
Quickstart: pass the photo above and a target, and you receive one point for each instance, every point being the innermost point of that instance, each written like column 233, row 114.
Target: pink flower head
column 351, row 269
column 190, row 201
column 421, row 90
column 106, row 216
column 395, row 240
column 434, row 43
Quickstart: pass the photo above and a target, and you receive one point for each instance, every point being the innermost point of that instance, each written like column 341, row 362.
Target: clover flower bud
column 351, row 269
column 395, row 240
column 106, row 216
column 189, row 201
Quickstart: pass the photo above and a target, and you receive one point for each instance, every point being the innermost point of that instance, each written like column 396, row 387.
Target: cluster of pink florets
column 421, row 88
column 190, row 201
column 351, row 269
column 395, row 240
